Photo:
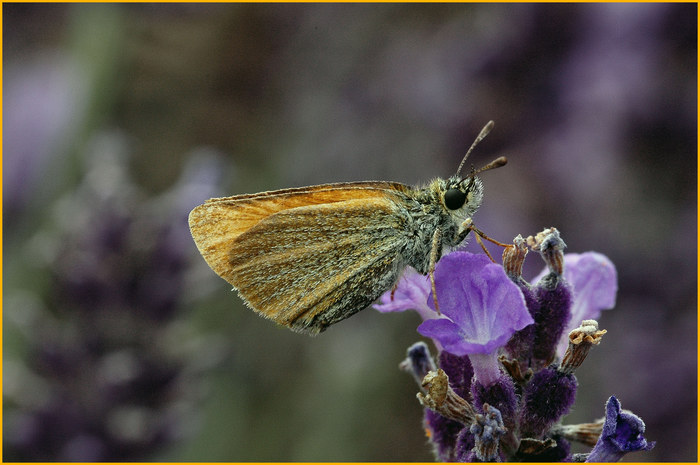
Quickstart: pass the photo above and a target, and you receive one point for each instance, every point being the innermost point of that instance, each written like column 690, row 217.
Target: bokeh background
column 120, row 344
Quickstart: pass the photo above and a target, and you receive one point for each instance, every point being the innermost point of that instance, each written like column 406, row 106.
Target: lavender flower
column 553, row 295
column 593, row 278
column 483, row 308
column 623, row 432
column 506, row 331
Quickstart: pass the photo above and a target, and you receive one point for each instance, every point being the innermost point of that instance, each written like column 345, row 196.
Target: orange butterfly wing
column 306, row 257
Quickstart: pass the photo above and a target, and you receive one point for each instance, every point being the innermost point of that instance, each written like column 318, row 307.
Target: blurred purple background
column 120, row 343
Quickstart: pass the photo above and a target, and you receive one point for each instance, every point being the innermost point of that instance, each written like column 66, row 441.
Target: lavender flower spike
column 594, row 280
column 623, row 432
column 482, row 309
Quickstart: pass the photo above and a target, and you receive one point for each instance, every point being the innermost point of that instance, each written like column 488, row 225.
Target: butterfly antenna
column 497, row 163
column 478, row 139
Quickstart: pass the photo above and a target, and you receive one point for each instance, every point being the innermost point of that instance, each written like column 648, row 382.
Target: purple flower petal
column 411, row 293
column 448, row 333
column 594, row 280
column 623, row 432
column 484, row 307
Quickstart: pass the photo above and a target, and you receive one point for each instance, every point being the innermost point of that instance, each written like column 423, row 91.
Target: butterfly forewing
column 305, row 257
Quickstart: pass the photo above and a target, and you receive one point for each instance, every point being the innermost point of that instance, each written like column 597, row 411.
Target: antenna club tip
column 497, row 163
column 485, row 130
column 478, row 139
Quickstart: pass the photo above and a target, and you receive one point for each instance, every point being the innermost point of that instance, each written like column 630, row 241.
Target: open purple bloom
column 623, row 432
column 594, row 280
column 482, row 305
column 481, row 309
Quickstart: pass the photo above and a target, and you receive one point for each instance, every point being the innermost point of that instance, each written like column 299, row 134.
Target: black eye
column 454, row 199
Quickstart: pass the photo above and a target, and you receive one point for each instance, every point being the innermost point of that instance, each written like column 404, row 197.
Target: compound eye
column 455, row 198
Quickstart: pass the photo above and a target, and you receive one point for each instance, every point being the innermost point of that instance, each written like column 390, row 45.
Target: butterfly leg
column 481, row 234
column 483, row 247
column 393, row 290
column 434, row 256
column 468, row 225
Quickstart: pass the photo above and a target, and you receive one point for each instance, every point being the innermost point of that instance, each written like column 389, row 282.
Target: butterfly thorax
column 427, row 212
